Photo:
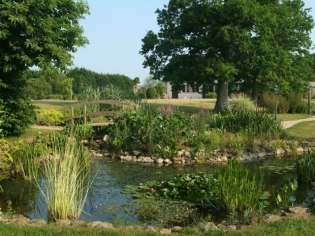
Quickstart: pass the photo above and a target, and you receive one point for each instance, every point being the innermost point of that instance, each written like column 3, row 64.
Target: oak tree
column 257, row 42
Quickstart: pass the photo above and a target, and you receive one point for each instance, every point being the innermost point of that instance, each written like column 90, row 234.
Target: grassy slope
column 302, row 131
column 286, row 227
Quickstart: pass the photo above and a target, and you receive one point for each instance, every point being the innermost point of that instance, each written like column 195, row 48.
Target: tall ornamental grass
column 65, row 178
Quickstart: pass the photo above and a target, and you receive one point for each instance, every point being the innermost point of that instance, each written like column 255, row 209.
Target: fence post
column 84, row 113
column 72, row 115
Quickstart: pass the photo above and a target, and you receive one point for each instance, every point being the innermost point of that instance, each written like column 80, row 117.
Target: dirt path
column 47, row 127
column 290, row 123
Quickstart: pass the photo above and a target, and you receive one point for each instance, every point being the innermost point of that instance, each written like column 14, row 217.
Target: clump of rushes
column 65, row 178
column 238, row 188
column 305, row 168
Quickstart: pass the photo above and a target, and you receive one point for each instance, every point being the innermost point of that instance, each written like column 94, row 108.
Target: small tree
column 151, row 93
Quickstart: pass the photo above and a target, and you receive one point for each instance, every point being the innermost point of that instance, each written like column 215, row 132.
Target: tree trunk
column 222, row 97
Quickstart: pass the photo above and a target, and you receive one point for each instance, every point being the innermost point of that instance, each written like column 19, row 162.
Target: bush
column 241, row 105
column 17, row 114
column 55, row 96
column 151, row 93
column 269, row 102
column 49, row 117
column 302, row 108
column 295, row 100
column 210, row 95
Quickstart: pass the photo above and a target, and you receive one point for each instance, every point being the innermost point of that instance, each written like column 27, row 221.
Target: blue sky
column 115, row 29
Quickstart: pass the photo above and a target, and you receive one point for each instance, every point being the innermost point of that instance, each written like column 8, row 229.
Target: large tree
column 41, row 33
column 202, row 41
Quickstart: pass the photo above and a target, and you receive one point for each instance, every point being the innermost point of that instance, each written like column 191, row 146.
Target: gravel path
column 290, row 123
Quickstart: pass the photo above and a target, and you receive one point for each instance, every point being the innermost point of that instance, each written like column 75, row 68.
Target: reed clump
column 65, row 178
column 305, row 168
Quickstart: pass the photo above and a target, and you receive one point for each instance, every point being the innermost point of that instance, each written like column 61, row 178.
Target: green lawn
column 283, row 117
column 283, row 228
column 302, row 131
column 52, row 104
column 28, row 134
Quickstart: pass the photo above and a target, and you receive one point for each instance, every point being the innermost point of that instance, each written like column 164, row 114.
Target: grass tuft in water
column 65, row 183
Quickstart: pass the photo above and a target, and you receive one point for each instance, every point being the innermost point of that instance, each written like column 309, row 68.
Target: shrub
column 295, row 100
column 55, row 96
column 302, row 108
column 269, row 102
column 151, row 93
column 49, row 117
column 18, row 113
column 210, row 95
column 255, row 123
column 283, row 104
column 241, row 105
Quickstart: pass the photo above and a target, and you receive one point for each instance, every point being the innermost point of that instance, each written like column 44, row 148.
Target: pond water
column 106, row 202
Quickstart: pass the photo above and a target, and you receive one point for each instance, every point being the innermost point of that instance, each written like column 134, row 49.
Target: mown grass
column 283, row 228
column 53, row 104
column 302, row 131
column 285, row 117
column 187, row 105
column 29, row 133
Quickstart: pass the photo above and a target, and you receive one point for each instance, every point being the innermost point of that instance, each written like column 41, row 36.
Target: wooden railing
column 97, row 113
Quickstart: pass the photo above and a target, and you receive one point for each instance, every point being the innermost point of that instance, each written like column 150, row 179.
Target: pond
column 107, row 202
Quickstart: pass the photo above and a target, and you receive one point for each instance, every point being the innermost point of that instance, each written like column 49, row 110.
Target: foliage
column 256, row 124
column 81, row 131
column 241, row 105
column 34, row 33
column 233, row 189
column 148, row 129
column 199, row 188
column 211, row 95
column 303, row 108
column 64, row 186
column 49, row 117
column 285, row 195
column 55, row 96
column 239, row 189
column 27, row 156
column 305, row 168
column 17, row 112
column 6, row 160
column 84, row 78
column 151, row 93
column 192, row 46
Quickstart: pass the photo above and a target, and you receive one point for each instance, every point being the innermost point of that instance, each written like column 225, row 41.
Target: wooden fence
column 98, row 113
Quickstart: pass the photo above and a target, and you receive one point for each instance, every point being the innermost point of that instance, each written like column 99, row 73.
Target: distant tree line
column 54, row 84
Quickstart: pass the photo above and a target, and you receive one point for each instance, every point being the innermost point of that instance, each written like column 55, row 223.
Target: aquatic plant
column 285, row 195
column 64, row 184
column 239, row 189
column 305, row 168
column 27, row 156
column 149, row 130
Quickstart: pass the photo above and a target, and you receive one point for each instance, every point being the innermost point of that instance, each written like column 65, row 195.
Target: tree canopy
column 41, row 33
column 258, row 42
